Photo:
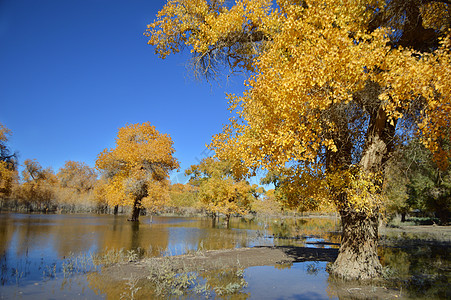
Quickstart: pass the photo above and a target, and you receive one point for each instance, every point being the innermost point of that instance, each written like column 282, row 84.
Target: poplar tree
column 334, row 87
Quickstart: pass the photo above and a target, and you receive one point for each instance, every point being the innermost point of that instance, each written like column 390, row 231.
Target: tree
column 7, row 178
column 38, row 185
column 77, row 175
column 334, row 86
column 395, row 189
column 416, row 182
column 101, row 195
column 8, row 163
column 5, row 152
column 220, row 190
column 76, row 185
column 268, row 204
column 292, row 192
column 137, row 169
column 184, row 195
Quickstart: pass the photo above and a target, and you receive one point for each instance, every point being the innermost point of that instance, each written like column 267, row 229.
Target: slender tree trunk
column 116, row 209
column 357, row 258
column 227, row 220
column 213, row 220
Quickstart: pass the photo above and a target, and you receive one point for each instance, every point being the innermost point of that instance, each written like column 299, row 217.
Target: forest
column 414, row 186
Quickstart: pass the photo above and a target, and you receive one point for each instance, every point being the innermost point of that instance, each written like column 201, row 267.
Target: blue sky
column 73, row 72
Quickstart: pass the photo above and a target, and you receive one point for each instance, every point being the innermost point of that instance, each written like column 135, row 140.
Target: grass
column 113, row 256
column 133, row 288
column 170, row 279
column 395, row 222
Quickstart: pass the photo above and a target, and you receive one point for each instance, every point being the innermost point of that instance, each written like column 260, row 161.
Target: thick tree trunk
column 135, row 214
column 357, row 258
column 136, row 211
column 116, row 209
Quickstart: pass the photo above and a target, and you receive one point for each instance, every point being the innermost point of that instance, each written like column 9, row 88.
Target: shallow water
column 49, row 256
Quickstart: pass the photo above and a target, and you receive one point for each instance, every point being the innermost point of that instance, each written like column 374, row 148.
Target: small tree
column 220, row 190
column 184, row 196
column 414, row 181
column 137, row 169
column 267, row 204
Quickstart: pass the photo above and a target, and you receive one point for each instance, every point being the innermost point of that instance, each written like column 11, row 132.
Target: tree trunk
column 116, row 209
column 136, row 211
column 227, row 220
column 213, row 220
column 357, row 258
column 403, row 217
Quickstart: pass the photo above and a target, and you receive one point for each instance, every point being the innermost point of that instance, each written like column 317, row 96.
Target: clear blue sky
column 74, row 71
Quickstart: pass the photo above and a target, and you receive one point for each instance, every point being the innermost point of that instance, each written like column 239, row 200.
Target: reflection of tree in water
column 35, row 239
column 420, row 268
column 6, row 232
column 413, row 269
column 201, row 235
column 283, row 229
column 75, row 234
column 215, row 239
column 119, row 289
column 32, row 234
column 151, row 238
column 287, row 230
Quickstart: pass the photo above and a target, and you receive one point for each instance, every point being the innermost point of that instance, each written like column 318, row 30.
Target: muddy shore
column 270, row 256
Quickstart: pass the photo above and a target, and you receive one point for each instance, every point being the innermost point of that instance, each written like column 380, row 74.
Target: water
column 49, row 256
column 307, row 280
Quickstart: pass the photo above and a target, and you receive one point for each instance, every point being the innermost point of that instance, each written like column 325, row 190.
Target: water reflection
column 295, row 282
column 422, row 270
column 31, row 243
column 37, row 250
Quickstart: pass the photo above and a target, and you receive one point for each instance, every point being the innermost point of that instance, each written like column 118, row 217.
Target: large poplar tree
column 334, row 88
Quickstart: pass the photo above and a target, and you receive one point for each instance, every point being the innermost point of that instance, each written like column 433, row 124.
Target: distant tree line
column 134, row 177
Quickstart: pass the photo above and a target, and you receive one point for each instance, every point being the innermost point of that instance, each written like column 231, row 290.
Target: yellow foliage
column 137, row 169
column 268, row 205
column 77, row 175
column 8, row 172
column 219, row 190
column 39, row 184
column 329, row 94
column 4, row 132
column 7, row 178
column 436, row 15
column 183, row 195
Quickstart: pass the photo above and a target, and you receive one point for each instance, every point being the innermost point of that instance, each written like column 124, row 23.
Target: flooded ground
column 51, row 257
